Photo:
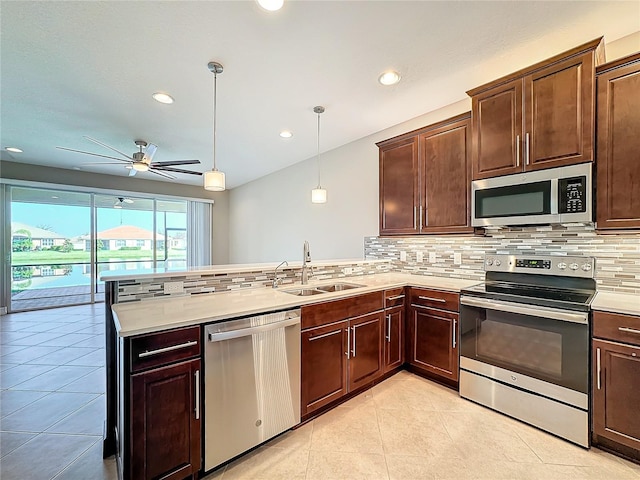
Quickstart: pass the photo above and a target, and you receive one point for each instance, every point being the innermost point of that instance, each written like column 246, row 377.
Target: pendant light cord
column 318, row 149
column 215, row 91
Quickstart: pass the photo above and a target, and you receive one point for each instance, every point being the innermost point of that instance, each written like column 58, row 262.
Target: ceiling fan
column 140, row 161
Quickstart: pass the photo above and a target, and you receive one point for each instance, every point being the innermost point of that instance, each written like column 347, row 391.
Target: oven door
column 545, row 345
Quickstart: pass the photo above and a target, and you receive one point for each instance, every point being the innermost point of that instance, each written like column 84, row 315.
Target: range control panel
column 582, row 267
column 572, row 197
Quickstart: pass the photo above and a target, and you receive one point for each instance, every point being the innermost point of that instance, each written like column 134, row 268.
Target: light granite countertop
column 625, row 303
column 134, row 318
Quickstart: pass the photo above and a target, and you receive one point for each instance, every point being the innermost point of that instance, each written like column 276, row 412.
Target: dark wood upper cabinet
column 399, row 195
column 424, row 179
column 618, row 145
column 497, row 129
column 539, row 117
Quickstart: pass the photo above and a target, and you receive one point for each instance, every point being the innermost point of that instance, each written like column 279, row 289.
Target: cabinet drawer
column 329, row 312
column 156, row 349
column 617, row 327
column 394, row 297
column 435, row 299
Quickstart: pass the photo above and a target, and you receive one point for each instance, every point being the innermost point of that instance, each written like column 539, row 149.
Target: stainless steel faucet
column 306, row 258
column 277, row 280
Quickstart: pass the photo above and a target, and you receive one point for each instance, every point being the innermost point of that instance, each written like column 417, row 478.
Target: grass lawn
column 46, row 257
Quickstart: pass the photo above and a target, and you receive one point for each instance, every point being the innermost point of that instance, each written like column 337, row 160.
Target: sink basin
column 304, row 292
column 338, row 287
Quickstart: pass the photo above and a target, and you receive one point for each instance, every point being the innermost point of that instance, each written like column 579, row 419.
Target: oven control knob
column 586, row 267
column 562, row 265
column 489, row 261
column 573, row 266
column 498, row 262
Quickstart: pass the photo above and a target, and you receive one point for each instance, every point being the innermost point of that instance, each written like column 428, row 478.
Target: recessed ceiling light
column 162, row 97
column 271, row 5
column 54, row 196
column 13, row 149
column 390, row 77
column 77, row 168
column 286, row 134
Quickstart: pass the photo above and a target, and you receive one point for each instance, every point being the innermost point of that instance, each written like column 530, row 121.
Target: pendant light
column 318, row 194
column 214, row 179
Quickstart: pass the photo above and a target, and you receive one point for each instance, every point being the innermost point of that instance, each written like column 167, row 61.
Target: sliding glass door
column 62, row 241
column 50, row 265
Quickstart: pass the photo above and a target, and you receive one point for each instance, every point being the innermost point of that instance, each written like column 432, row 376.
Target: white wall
column 270, row 218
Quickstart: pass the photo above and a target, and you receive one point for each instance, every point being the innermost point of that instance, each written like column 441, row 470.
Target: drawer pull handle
column 324, row 335
column 150, row 353
column 431, row 299
column 629, row 330
column 397, row 297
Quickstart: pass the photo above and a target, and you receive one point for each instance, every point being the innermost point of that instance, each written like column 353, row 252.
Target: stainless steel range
column 524, row 341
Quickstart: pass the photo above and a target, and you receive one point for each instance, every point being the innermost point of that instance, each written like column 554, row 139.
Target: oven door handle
column 536, row 311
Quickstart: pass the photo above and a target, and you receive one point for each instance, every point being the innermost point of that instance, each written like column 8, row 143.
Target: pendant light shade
column 318, row 194
column 214, row 180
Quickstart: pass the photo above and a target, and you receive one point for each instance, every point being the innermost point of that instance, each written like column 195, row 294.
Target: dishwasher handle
column 245, row 332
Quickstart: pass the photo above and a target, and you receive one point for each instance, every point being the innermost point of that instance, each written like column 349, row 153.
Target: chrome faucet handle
column 277, row 280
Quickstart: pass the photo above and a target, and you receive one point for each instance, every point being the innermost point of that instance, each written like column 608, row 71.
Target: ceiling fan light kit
column 214, row 179
column 318, row 194
column 140, row 161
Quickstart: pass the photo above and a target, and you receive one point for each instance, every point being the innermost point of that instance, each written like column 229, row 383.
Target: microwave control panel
column 572, row 195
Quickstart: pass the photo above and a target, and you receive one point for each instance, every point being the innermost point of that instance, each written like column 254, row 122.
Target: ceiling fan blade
column 107, row 146
column 178, row 170
column 175, row 162
column 162, row 174
column 101, row 163
column 149, row 152
column 94, row 154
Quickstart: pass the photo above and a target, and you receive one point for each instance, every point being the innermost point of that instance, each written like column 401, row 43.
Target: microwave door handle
column 554, row 194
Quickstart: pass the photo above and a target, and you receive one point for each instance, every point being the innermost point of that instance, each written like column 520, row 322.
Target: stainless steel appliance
column 555, row 195
column 524, row 341
column 252, row 383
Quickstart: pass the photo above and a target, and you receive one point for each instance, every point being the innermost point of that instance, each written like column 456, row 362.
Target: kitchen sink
column 304, row 292
column 334, row 287
column 338, row 287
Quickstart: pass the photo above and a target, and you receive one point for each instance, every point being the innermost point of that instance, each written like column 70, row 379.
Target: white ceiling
column 70, row 69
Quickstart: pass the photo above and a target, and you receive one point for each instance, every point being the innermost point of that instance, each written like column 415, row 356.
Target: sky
column 71, row 221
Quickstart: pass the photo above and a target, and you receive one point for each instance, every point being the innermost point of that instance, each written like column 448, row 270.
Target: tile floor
column 52, row 412
column 52, row 395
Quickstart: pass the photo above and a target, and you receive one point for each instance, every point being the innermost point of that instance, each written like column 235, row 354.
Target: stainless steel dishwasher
column 252, row 382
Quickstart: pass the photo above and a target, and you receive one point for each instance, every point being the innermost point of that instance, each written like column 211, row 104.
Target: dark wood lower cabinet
column 394, row 338
column 433, row 344
column 324, row 365
column 165, row 423
column 616, row 398
column 365, row 356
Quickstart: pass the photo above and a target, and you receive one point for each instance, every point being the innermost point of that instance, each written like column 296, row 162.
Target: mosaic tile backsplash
column 194, row 284
column 617, row 256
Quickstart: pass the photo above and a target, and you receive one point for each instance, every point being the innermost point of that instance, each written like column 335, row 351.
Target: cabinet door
column 399, row 195
column 165, row 422
column 446, row 173
column 434, row 344
column 324, row 365
column 497, row 129
column 616, row 384
column 618, row 165
column 394, row 338
column 365, row 362
column 559, row 110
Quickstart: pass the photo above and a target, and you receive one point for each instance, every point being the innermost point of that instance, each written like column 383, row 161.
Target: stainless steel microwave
column 555, row 195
